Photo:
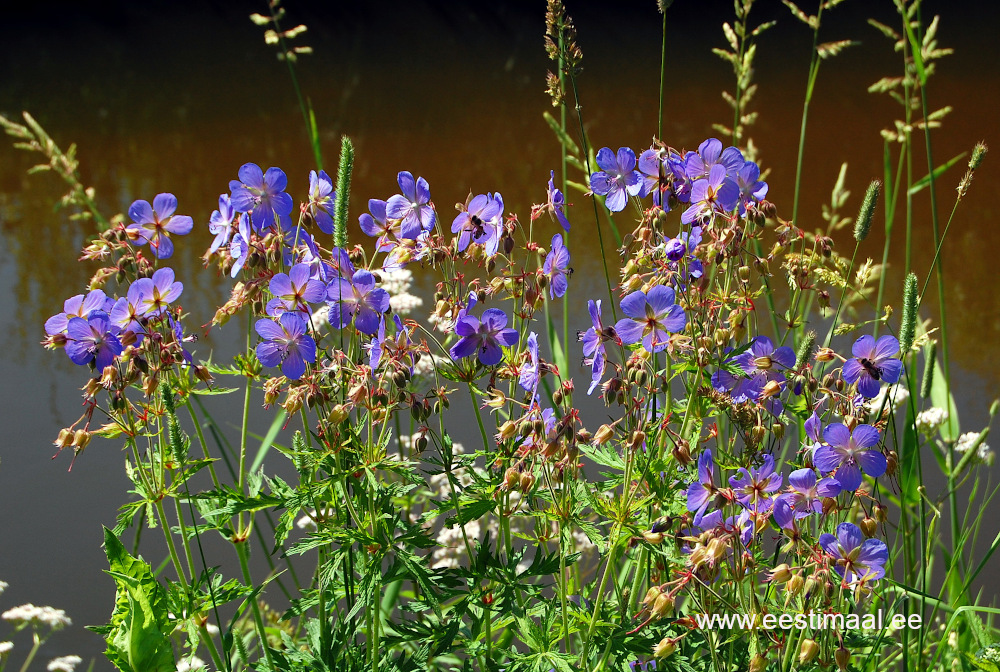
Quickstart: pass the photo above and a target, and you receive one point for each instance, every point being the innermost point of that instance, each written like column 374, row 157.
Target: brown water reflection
column 175, row 97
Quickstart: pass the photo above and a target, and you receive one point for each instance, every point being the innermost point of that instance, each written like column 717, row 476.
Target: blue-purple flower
column 752, row 189
column 715, row 193
column 805, row 494
column 220, row 224
column 92, row 340
column 413, row 206
column 480, row 222
column 617, row 179
column 286, row 344
column 555, row 204
column 153, row 224
column 753, row 488
column 849, row 454
column 698, row 165
column 701, row 492
column 239, row 246
column 321, row 200
column 262, row 195
column 530, row 371
column 556, row 267
column 855, row 558
column 483, row 338
column 375, row 223
column 593, row 339
column 129, row 312
column 651, row 318
column 295, row 290
column 653, row 171
column 358, row 299
column 158, row 292
column 873, row 364
column 78, row 306
column 761, row 363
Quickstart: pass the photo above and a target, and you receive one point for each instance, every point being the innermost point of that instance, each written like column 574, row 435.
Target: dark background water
column 175, row 96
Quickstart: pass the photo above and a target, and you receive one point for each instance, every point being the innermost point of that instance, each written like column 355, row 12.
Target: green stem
column 242, row 553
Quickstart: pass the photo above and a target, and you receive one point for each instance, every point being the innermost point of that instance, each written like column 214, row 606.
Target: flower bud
column 808, row 650
column 879, row 512
column 80, row 439
column 772, row 388
column 338, row 414
column 663, row 605
column 65, row 438
column 651, row 596
column 781, row 574
column 527, row 482
column 511, row 478
column 744, row 273
column 654, row 538
column 869, row 526
column 892, row 463
column 778, row 430
column 109, row 375
column 794, row 584
column 843, row 658
column 665, row 648
column 825, row 355
column 507, row 430
column 758, row 663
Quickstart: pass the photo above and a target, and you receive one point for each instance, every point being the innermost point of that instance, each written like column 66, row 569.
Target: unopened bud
column 744, row 272
column 663, row 605
column 338, row 414
column 508, row 430
column 109, row 375
column 527, row 482
column 869, row 526
column 654, row 538
column 603, row 435
column 781, row 574
column 808, row 650
column 65, row 438
column 794, row 584
column 80, row 439
column 664, row 648
column 772, row 388
column 843, row 658
column 758, row 663
column 825, row 355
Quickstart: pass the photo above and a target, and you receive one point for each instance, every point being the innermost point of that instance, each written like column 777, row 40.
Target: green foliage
column 138, row 634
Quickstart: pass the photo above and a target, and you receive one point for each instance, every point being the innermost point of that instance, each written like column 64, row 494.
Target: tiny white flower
column 191, row 664
column 64, row 663
column 930, row 420
column 29, row 613
column 5, row 648
column 3, row 586
column 965, row 442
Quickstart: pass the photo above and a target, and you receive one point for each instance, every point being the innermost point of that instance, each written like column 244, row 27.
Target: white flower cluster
column 892, row 395
column 452, row 545
column 398, row 283
column 428, row 363
column 930, row 420
column 30, row 614
column 65, row 664
column 3, row 586
column 5, row 648
column 192, row 664
column 965, row 442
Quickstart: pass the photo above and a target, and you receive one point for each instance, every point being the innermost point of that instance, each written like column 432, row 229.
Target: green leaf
column 265, row 445
column 942, row 398
column 138, row 635
column 915, row 51
column 925, row 181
